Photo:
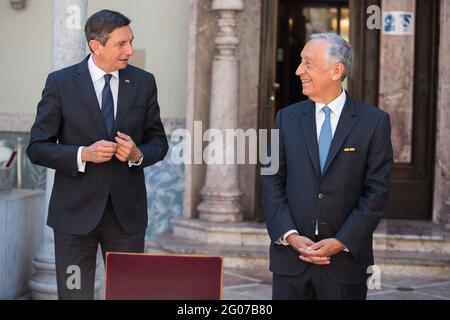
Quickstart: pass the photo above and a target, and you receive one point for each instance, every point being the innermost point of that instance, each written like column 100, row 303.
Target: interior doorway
column 297, row 21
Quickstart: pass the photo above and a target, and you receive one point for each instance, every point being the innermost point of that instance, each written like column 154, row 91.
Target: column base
column 221, row 207
column 43, row 283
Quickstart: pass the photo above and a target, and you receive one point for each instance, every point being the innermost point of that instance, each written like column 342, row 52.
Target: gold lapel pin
column 349, row 149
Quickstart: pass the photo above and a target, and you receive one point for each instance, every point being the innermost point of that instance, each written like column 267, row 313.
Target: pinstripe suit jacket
column 348, row 198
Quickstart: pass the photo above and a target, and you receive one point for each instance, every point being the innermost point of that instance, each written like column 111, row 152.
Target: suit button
column 321, row 195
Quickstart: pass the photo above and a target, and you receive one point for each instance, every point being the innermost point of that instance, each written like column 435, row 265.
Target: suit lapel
column 126, row 85
column 345, row 124
column 85, row 86
column 310, row 132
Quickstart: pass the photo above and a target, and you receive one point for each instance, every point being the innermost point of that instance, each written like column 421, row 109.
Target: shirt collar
column 97, row 73
column 336, row 105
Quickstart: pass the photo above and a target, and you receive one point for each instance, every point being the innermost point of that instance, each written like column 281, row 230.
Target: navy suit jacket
column 348, row 198
column 69, row 116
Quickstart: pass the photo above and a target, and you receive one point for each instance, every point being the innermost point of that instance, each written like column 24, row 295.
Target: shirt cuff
column 135, row 164
column 282, row 239
column 81, row 164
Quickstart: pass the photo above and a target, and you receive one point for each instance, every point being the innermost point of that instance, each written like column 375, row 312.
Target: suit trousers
column 314, row 284
column 79, row 253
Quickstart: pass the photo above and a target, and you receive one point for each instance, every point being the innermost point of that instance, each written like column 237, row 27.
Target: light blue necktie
column 325, row 138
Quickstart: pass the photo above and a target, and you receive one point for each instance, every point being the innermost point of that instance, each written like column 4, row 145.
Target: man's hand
column 301, row 244
column 324, row 248
column 99, row 152
column 127, row 150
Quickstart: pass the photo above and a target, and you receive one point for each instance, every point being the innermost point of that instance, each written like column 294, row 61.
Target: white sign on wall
column 398, row 23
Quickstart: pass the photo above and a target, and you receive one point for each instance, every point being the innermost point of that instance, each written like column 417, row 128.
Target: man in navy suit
column 327, row 198
column 98, row 126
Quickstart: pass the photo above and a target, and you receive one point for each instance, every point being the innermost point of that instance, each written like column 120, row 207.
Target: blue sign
column 398, row 23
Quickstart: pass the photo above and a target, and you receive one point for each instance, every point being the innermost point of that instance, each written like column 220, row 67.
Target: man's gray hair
column 339, row 50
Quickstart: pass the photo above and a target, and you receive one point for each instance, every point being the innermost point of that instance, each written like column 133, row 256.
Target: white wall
column 25, row 55
column 160, row 28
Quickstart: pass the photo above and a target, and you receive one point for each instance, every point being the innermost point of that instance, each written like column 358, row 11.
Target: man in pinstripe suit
column 331, row 189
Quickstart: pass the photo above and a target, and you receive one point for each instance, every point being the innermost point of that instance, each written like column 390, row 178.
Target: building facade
column 230, row 64
column 404, row 74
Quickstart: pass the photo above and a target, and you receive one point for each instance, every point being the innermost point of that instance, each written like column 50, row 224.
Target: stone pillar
column 441, row 203
column 43, row 282
column 69, row 47
column 220, row 194
column 69, row 41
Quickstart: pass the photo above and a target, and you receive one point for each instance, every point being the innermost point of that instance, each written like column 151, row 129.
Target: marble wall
column 396, row 81
column 164, row 182
column 203, row 28
column 441, row 204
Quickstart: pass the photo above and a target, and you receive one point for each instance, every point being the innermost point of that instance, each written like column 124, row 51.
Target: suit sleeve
column 43, row 148
column 154, row 146
column 274, row 204
column 358, row 228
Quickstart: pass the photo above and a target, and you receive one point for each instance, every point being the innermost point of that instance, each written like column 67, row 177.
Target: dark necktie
column 108, row 105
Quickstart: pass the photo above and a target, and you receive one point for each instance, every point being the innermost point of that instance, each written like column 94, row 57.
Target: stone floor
column 242, row 284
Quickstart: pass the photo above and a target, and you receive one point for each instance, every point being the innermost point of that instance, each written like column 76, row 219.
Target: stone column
column 43, row 282
column 441, row 203
column 69, row 47
column 69, row 41
column 220, row 194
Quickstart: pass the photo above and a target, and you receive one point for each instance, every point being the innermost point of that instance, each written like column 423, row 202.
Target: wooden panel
column 267, row 84
column 363, row 79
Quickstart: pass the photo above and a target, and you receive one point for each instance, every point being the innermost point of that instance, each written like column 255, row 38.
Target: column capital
column 235, row 5
column 227, row 39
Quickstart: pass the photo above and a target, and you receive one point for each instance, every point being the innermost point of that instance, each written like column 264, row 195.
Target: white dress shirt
column 98, row 80
column 97, row 76
column 336, row 107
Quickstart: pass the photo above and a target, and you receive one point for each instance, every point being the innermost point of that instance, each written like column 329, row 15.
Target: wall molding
column 16, row 122
column 22, row 123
